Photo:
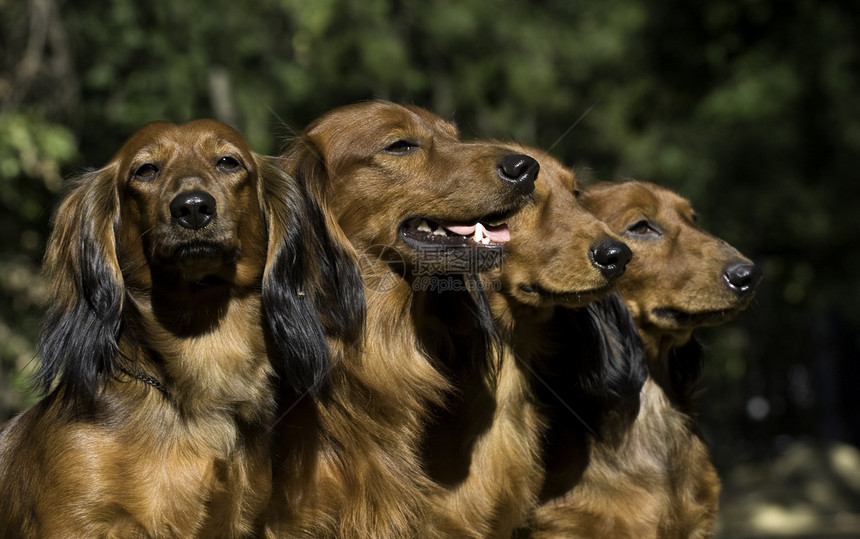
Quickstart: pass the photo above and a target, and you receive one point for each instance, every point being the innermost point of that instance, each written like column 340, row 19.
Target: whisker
column 569, row 129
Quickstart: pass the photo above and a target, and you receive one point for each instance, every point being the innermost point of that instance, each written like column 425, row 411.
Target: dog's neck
column 391, row 377
column 656, row 439
column 207, row 361
column 517, row 321
column 658, row 347
column 657, row 350
column 658, row 342
column 394, row 313
column 366, row 427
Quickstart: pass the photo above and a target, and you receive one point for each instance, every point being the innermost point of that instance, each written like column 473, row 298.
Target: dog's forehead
column 429, row 120
column 554, row 174
column 165, row 140
column 379, row 119
column 672, row 202
column 618, row 202
column 215, row 132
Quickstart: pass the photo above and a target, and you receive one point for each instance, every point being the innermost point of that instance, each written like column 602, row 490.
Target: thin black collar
column 146, row 379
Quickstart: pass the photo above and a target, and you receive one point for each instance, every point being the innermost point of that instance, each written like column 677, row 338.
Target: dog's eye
column 643, row 227
column 228, row 163
column 577, row 193
column 146, row 172
column 401, row 147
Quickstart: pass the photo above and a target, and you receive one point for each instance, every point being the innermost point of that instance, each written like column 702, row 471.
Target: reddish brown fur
column 349, row 463
column 542, row 270
column 656, row 479
column 184, row 454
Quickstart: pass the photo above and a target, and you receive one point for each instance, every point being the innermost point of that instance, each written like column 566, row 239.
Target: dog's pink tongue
column 462, row 230
column 498, row 234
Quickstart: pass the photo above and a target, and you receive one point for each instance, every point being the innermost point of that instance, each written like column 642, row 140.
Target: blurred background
column 750, row 108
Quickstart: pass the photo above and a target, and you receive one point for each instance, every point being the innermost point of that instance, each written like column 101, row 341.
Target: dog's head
column 187, row 219
column 189, row 209
column 407, row 191
column 681, row 277
column 559, row 253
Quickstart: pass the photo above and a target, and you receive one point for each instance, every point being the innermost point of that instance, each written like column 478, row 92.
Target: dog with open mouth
column 652, row 476
column 486, row 447
column 421, row 208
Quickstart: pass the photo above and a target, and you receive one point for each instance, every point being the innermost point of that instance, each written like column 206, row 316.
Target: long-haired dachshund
column 652, row 476
column 417, row 204
column 488, row 447
column 185, row 274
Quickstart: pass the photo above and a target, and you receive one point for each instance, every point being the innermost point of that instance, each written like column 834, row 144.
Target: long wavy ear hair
column 603, row 364
column 617, row 368
column 312, row 288
column 83, row 319
column 486, row 352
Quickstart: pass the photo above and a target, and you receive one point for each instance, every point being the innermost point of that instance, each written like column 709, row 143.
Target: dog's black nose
column 193, row 209
column 520, row 170
column 742, row 277
column 610, row 257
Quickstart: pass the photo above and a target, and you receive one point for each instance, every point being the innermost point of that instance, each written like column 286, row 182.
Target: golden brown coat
column 388, row 176
column 167, row 268
column 488, row 447
column 653, row 478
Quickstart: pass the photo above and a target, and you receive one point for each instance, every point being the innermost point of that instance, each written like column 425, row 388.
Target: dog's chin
column 537, row 295
column 202, row 263
column 672, row 318
column 202, row 275
column 453, row 247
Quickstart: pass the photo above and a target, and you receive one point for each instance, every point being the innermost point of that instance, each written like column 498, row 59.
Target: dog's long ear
column 616, row 367
column 486, row 355
column 312, row 290
column 82, row 322
column 341, row 285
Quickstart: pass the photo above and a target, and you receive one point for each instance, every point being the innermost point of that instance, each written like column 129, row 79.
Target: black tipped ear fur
column 620, row 367
column 82, row 323
column 605, row 365
column 338, row 271
column 311, row 289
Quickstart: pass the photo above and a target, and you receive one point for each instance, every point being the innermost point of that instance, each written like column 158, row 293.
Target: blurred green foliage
column 750, row 108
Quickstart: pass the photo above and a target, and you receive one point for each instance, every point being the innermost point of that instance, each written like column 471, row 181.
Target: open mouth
column 421, row 232
column 456, row 248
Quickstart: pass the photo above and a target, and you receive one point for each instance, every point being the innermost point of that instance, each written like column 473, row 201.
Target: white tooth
column 479, row 233
column 485, row 241
column 440, row 232
column 423, row 226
